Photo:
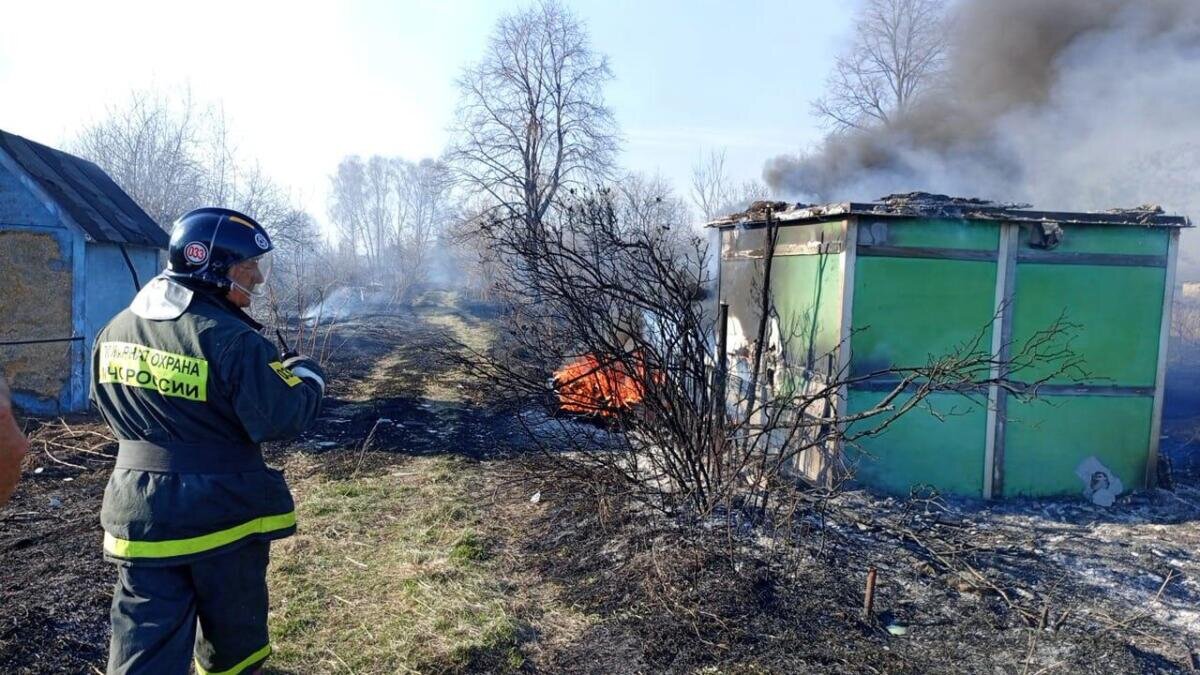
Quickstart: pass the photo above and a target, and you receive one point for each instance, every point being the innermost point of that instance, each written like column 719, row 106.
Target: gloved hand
column 306, row 368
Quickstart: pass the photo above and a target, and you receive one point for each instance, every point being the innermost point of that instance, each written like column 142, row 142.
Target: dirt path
column 403, row 562
column 394, row 568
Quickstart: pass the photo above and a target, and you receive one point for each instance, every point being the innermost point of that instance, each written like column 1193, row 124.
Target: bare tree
column 749, row 192
column 650, row 204
column 711, row 189
column 531, row 115
column 362, row 208
column 896, row 54
column 391, row 213
column 172, row 155
column 713, row 192
column 151, row 147
column 425, row 207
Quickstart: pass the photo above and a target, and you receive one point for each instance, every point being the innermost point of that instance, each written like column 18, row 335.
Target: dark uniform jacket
column 191, row 389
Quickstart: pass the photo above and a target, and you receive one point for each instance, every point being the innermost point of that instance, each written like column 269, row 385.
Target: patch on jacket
column 284, row 374
column 169, row 374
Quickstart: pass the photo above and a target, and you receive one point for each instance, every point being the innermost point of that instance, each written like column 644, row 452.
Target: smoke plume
column 1066, row 104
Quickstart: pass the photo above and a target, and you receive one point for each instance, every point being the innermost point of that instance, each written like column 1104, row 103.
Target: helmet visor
column 251, row 275
column 266, row 262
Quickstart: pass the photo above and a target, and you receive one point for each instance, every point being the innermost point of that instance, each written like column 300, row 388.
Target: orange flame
column 586, row 386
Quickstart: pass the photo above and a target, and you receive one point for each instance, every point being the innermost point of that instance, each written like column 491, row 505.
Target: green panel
column 907, row 311
column 944, row 450
column 1118, row 310
column 1107, row 239
column 1046, row 439
column 809, row 302
column 929, row 233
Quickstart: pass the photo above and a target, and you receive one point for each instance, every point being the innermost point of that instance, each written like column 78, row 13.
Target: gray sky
column 305, row 83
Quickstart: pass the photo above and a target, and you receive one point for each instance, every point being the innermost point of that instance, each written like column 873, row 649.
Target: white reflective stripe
column 301, row 371
column 162, row 299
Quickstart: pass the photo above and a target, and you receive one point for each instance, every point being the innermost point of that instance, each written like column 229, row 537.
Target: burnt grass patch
column 712, row 596
column 586, row 582
column 55, row 589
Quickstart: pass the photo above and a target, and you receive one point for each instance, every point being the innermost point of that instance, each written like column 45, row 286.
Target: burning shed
column 74, row 249
column 864, row 287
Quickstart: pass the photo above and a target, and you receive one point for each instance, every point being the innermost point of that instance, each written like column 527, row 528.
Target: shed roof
column 926, row 205
column 104, row 211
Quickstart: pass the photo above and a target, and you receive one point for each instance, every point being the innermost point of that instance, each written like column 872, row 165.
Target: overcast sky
column 305, row 83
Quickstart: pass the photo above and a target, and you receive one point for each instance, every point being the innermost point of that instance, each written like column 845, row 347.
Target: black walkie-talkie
column 287, row 351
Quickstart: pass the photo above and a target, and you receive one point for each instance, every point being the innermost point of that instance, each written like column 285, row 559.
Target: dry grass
column 447, row 387
column 390, row 573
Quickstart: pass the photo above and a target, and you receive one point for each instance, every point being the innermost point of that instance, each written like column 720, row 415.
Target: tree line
column 532, row 132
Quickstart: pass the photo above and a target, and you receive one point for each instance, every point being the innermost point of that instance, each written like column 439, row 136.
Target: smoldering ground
column 1066, row 104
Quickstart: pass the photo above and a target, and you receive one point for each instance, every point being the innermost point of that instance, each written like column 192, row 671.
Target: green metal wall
column 806, row 286
column 808, row 299
column 906, row 312
column 1046, row 439
column 943, row 450
column 807, row 296
column 1118, row 309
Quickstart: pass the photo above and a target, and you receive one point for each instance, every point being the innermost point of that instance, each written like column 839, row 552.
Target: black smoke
column 1066, row 104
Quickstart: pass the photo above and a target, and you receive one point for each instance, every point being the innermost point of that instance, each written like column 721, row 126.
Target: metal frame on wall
column 1160, row 376
column 849, row 257
column 1006, row 271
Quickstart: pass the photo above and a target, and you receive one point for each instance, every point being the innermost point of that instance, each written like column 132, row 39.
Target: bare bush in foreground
column 622, row 308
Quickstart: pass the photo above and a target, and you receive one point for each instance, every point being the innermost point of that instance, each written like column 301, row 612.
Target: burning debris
column 588, row 387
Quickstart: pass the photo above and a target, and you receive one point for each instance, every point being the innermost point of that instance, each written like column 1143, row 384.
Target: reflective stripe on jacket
column 191, row 394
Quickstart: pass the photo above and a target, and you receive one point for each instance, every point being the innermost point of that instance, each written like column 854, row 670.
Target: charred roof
column 928, row 205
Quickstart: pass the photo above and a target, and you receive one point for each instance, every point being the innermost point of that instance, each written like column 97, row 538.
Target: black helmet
column 206, row 242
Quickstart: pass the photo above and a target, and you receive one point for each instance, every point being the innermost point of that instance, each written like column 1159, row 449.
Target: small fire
column 586, row 386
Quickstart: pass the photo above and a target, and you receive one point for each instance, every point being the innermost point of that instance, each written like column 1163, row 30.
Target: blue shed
column 74, row 249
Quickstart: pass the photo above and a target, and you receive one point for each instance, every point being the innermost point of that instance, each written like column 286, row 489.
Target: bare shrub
column 683, row 435
column 305, row 272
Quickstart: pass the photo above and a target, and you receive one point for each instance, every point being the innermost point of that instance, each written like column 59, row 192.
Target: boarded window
column 36, row 305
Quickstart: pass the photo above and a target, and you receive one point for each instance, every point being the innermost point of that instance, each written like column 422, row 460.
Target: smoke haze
column 1066, row 104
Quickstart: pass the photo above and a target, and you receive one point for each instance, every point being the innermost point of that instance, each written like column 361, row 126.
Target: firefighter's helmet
column 207, row 242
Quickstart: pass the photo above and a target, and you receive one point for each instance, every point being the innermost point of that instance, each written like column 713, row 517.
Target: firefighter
column 191, row 388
